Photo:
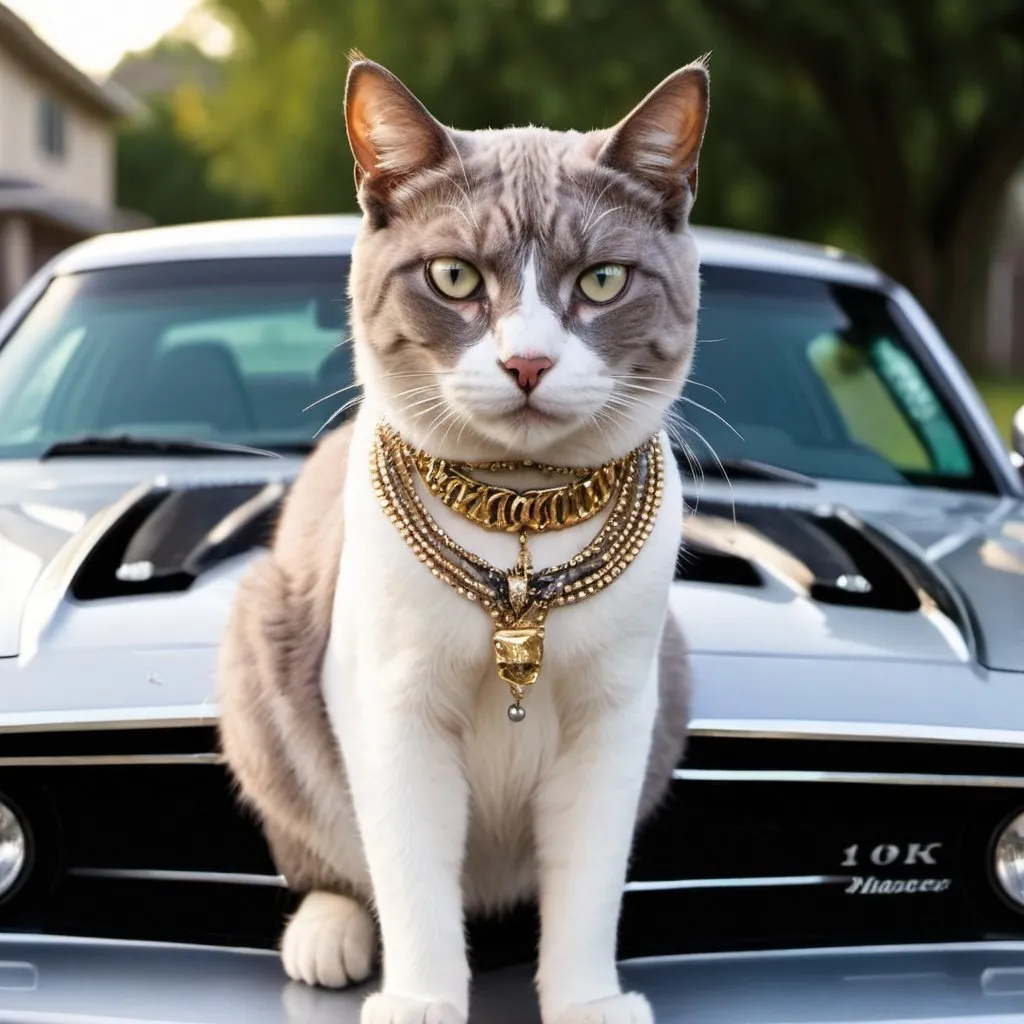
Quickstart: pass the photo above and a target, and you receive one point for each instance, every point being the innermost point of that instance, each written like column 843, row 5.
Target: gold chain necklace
column 518, row 600
column 501, row 508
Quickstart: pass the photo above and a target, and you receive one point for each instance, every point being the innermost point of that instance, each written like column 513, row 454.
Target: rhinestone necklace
column 518, row 600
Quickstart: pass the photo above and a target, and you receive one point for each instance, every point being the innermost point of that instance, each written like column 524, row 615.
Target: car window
column 24, row 412
column 800, row 372
column 817, row 377
column 291, row 343
column 244, row 350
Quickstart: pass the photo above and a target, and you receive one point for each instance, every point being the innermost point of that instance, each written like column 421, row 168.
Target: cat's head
column 524, row 292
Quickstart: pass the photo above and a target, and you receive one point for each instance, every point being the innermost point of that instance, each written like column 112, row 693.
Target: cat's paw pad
column 330, row 941
column 629, row 1008
column 387, row 1009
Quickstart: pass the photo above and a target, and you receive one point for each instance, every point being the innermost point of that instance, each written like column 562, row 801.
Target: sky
column 94, row 34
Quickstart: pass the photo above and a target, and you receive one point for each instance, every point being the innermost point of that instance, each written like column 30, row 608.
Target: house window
column 52, row 139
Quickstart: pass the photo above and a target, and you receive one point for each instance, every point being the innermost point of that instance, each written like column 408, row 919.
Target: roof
column 28, row 49
column 17, row 196
column 333, row 235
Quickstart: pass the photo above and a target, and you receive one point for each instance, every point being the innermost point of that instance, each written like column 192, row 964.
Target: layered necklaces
column 519, row 599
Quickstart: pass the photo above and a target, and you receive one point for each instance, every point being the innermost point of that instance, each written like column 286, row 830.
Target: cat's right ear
column 659, row 141
column 392, row 135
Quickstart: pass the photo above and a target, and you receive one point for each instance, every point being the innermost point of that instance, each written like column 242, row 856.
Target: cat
column 360, row 712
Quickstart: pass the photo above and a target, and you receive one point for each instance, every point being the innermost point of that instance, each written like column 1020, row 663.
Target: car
column 844, row 840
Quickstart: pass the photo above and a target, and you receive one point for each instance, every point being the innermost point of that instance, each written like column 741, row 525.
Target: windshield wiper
column 743, row 469
column 136, row 444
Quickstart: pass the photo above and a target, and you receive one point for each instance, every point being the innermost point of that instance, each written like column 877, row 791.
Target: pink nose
column 527, row 372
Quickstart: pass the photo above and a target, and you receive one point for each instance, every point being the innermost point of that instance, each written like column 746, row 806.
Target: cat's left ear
column 659, row 141
column 392, row 135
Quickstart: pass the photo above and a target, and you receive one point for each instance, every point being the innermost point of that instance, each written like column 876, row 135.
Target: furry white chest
column 400, row 636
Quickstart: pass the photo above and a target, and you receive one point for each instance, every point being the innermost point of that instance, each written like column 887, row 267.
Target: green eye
column 603, row 282
column 453, row 278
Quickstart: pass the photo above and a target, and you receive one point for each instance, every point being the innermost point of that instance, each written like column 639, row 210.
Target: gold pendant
column 519, row 652
column 519, row 647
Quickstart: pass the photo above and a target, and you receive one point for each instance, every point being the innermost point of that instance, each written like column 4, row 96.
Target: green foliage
column 161, row 171
column 164, row 176
column 1003, row 398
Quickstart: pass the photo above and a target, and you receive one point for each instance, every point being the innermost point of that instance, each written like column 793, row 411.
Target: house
column 57, row 154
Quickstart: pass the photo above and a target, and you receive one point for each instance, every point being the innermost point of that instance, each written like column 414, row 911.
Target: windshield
column 792, row 372
column 226, row 350
column 819, row 378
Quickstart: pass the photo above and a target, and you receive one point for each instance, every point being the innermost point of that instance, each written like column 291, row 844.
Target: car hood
column 59, row 518
column 142, row 556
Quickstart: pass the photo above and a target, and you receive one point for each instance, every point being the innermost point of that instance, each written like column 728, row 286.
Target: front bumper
column 46, row 980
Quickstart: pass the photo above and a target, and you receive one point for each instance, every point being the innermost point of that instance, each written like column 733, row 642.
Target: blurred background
column 891, row 128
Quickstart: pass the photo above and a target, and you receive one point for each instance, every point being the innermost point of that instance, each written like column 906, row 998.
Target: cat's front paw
column 387, row 1009
column 331, row 941
column 629, row 1008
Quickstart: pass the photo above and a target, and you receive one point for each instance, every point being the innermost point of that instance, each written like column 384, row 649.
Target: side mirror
column 1017, row 433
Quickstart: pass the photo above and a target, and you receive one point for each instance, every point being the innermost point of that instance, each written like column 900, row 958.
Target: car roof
column 333, row 235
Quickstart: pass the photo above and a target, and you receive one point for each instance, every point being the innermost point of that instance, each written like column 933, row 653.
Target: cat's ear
column 392, row 134
column 659, row 140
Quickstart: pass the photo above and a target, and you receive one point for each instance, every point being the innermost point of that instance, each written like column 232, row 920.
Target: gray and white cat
column 517, row 293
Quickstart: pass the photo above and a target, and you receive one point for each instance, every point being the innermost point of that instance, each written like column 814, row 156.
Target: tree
column 925, row 101
column 165, row 176
column 161, row 172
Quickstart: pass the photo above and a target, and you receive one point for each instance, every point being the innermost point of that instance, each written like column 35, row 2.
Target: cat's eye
column 454, row 278
column 604, row 282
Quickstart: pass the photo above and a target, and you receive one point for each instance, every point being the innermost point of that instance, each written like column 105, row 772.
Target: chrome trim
column 780, row 729
column 849, row 778
column 207, row 714
column 982, row 946
column 51, row 587
column 167, row 717
column 767, row 882
column 49, row 939
column 279, row 881
column 73, row 760
column 159, row 875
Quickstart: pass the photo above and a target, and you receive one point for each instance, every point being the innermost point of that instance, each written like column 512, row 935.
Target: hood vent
column 828, row 552
column 173, row 535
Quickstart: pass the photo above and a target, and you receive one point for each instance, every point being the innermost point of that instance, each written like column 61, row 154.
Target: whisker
column 593, row 208
column 598, row 219
column 455, row 417
column 333, row 394
column 711, row 451
column 711, row 412
column 465, row 178
column 417, row 390
column 690, row 382
column 337, row 412
column 708, row 387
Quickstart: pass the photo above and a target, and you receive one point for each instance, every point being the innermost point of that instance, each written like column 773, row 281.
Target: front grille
column 137, row 834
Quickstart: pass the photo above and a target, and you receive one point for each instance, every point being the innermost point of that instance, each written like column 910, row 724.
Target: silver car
column 845, row 840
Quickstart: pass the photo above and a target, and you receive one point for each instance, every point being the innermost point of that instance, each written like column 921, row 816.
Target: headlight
column 1009, row 860
column 13, row 848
